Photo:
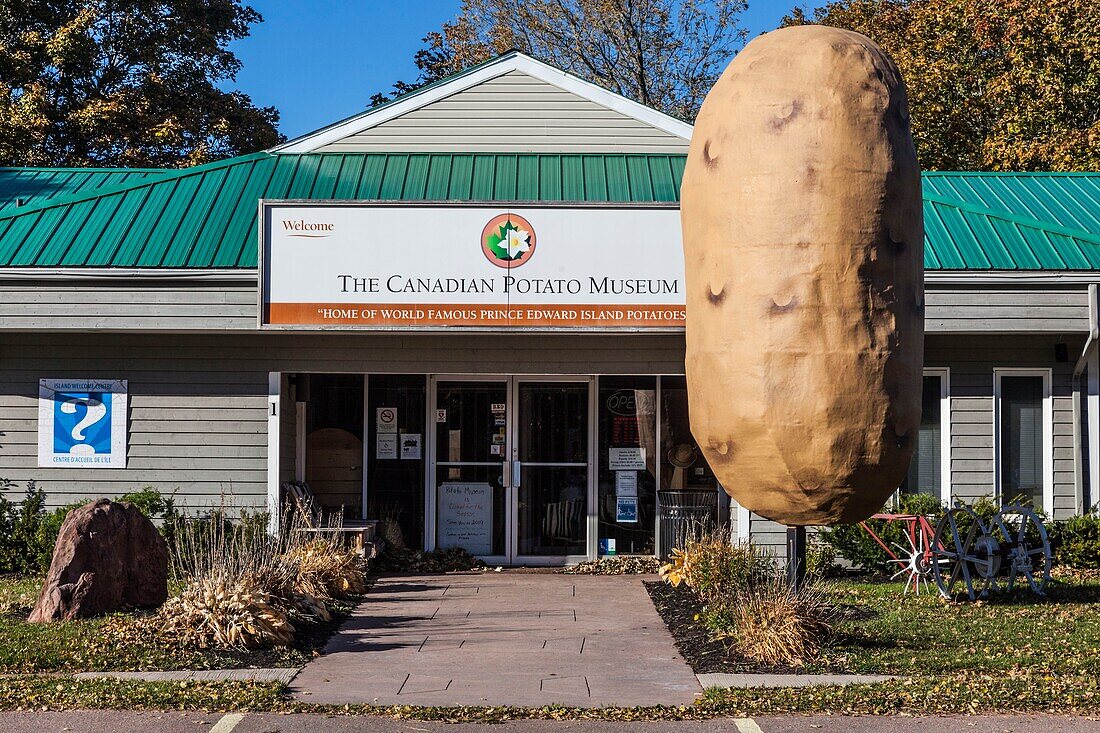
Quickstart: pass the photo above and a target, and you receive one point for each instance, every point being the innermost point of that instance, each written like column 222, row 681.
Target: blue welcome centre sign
column 82, row 422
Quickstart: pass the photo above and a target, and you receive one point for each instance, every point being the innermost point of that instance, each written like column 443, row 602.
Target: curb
column 279, row 674
column 789, row 680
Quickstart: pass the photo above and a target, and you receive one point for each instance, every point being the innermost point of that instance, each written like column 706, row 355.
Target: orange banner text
column 554, row 316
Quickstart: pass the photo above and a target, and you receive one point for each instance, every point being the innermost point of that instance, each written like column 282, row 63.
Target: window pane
column 395, row 480
column 1022, row 439
column 334, row 441
column 628, row 487
column 686, row 478
column 924, row 471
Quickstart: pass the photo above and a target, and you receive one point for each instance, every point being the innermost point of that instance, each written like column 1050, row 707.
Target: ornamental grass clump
column 243, row 588
column 221, row 611
column 715, row 568
column 777, row 625
column 745, row 596
column 327, row 569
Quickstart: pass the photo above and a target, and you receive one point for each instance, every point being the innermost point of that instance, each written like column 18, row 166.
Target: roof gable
column 510, row 104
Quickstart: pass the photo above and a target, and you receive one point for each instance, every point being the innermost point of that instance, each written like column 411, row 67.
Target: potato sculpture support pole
column 796, row 557
column 803, row 246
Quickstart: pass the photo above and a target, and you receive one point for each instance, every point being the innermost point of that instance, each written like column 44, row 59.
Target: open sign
column 622, row 402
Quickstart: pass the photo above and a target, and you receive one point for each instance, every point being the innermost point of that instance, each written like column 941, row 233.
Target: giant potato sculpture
column 803, row 242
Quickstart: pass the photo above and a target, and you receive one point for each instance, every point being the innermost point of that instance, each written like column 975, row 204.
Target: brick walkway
column 502, row 639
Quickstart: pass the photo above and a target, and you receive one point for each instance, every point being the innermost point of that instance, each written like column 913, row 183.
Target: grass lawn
column 119, row 642
column 885, row 632
column 1014, row 654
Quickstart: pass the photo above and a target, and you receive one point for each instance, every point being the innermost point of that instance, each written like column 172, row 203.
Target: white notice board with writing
column 466, row 516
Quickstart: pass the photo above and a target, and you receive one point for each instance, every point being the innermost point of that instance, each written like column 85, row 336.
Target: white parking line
column 229, row 722
column 745, row 725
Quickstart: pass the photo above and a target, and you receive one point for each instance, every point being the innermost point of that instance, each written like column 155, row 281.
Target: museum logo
column 307, row 229
column 508, row 240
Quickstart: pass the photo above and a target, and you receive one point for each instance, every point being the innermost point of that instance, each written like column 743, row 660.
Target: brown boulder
column 108, row 556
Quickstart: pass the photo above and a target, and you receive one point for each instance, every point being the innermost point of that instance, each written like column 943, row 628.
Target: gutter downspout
column 1088, row 354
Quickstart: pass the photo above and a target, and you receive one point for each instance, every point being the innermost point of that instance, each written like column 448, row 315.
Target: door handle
column 506, row 474
column 516, row 467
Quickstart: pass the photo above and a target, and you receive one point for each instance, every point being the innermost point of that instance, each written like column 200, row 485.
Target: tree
column 662, row 53
column 1006, row 85
column 125, row 83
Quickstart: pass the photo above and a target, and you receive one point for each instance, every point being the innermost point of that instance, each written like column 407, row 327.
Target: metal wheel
column 963, row 550
column 915, row 562
column 1025, row 544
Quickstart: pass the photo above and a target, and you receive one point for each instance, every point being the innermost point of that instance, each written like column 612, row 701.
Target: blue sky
column 318, row 62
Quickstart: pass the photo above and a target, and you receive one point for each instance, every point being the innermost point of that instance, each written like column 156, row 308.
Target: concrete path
column 502, row 639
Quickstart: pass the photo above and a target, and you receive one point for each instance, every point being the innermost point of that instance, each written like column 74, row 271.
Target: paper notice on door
column 626, row 483
column 627, row 459
column 385, row 446
column 466, row 516
column 410, row 446
column 626, row 510
column 385, row 420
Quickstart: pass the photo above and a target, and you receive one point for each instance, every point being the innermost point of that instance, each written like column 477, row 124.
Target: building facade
column 461, row 313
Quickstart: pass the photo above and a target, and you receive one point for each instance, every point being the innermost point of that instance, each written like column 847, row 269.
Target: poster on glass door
column 466, row 516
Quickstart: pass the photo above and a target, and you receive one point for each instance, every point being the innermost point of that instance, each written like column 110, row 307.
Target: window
column 1024, row 420
column 395, row 461
column 929, row 472
column 334, row 441
column 627, row 464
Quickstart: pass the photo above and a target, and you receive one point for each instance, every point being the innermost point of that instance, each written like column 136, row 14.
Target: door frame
column 513, row 449
column 511, row 384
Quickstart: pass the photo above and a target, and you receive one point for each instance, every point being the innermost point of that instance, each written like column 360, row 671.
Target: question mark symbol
column 96, row 412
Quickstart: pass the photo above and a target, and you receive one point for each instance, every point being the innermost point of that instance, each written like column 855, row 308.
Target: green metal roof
column 29, row 186
column 205, row 216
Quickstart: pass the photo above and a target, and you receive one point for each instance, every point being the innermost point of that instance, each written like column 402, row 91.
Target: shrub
column 856, row 545
column 746, row 596
column 774, row 624
column 225, row 611
column 716, row 569
column 820, row 560
column 1076, row 541
column 242, row 587
column 28, row 531
column 327, row 569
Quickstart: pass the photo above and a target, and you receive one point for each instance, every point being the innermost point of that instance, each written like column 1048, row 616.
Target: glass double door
column 511, row 473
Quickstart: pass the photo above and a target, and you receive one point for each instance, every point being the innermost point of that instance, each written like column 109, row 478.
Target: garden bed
column 881, row 631
column 126, row 642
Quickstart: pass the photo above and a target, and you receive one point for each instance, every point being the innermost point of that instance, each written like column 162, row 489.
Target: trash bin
column 686, row 514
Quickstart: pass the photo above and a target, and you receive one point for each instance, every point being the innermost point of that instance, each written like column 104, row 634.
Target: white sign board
column 367, row 265
column 385, row 420
column 82, row 423
column 385, row 446
column 466, row 517
column 631, row 458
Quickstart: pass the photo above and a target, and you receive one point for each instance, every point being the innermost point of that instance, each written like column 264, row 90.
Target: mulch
column 704, row 652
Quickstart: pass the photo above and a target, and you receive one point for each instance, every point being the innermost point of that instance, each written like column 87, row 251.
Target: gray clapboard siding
column 215, row 306
column 972, row 361
column 79, row 305
column 1024, row 308
column 198, row 403
column 198, row 417
column 513, row 113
